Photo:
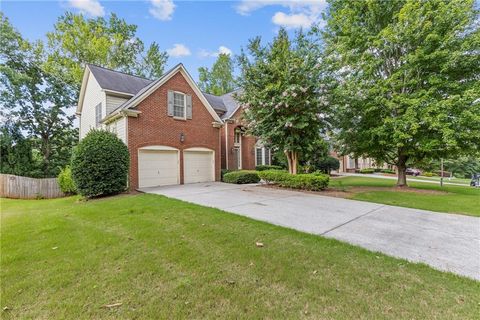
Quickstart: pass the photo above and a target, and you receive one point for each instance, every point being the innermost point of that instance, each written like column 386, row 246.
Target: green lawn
column 163, row 258
column 437, row 179
column 449, row 198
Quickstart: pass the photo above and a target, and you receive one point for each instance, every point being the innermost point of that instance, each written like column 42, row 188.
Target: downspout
column 226, row 144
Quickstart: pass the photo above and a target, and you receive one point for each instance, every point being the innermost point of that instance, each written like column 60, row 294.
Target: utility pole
column 441, row 172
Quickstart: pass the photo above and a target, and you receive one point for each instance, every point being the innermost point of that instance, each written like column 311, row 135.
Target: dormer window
column 179, row 105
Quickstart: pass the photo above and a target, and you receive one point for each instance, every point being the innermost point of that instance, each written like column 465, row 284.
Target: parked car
column 475, row 182
column 413, row 172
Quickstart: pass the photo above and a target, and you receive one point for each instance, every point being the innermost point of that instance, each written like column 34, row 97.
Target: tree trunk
column 402, row 168
column 294, row 162
column 292, row 158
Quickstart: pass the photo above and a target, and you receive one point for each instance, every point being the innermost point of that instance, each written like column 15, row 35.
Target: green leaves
column 402, row 87
column 278, row 82
column 111, row 43
column 219, row 80
column 100, row 164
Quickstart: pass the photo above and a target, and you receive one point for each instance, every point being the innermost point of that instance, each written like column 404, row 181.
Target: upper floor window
column 98, row 114
column 179, row 107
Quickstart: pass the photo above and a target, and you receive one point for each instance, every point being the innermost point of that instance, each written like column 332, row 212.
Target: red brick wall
column 248, row 144
column 154, row 127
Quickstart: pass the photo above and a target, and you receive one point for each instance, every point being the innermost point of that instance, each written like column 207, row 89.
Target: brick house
column 175, row 133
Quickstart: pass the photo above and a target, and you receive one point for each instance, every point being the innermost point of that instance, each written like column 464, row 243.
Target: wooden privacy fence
column 17, row 187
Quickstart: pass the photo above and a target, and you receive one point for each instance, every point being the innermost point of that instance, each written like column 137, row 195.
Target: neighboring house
column 352, row 164
column 175, row 133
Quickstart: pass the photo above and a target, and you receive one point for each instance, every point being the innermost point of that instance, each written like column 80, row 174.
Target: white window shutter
column 170, row 103
column 189, row 106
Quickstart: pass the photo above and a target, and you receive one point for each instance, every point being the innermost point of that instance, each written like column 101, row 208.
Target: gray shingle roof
column 118, row 81
column 216, row 102
column 230, row 103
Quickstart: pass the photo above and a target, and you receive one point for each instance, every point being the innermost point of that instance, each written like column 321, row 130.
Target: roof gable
column 149, row 89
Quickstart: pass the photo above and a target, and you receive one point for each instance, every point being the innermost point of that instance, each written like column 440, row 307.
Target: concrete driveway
column 446, row 242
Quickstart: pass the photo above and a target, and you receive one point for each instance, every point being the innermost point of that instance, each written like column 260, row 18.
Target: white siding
column 93, row 96
column 113, row 102
column 119, row 127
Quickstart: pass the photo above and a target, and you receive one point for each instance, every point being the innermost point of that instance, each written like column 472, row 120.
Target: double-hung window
column 262, row 156
column 179, row 105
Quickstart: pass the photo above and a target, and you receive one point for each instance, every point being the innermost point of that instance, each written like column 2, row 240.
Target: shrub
column 310, row 181
column 100, row 164
column 241, row 177
column 266, row 167
column 327, row 164
column 429, row 174
column 366, row 170
column 313, row 182
column 224, row 172
column 273, row 176
column 65, row 181
column 390, row 171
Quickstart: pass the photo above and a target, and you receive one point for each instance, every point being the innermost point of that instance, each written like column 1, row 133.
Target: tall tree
column 111, row 43
column 16, row 156
column 281, row 97
column 35, row 100
column 220, row 79
column 408, row 76
column 153, row 63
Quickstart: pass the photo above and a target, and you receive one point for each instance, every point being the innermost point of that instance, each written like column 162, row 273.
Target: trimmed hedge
column 366, row 170
column 65, row 181
column 272, row 176
column 224, row 172
column 388, row 171
column 429, row 174
column 312, row 181
column 241, row 177
column 265, row 167
column 100, row 164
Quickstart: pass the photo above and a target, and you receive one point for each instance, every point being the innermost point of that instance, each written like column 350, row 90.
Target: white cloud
column 293, row 20
column 222, row 49
column 162, row 9
column 179, row 50
column 300, row 13
column 91, row 7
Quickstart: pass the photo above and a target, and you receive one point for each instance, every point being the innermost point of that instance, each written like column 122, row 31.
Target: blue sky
column 193, row 32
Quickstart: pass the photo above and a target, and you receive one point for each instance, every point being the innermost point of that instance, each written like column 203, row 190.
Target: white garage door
column 198, row 166
column 157, row 168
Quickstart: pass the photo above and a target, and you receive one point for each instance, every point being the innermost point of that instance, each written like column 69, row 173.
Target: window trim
column 184, row 105
column 262, row 153
column 237, row 133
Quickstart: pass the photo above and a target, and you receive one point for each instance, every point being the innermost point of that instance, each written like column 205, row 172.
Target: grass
column 437, row 179
column 163, row 258
column 449, row 198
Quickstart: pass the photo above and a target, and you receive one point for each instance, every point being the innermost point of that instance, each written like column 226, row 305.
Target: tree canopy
column 283, row 102
column 77, row 40
column 220, row 79
column 407, row 79
column 35, row 103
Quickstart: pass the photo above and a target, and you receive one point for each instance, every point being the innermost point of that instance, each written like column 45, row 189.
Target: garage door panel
column 157, row 168
column 198, row 166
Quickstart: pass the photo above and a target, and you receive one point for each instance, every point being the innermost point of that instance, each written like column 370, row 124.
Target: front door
column 237, row 155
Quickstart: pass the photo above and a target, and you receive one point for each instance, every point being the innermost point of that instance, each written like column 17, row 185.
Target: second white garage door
column 158, row 168
column 198, row 165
